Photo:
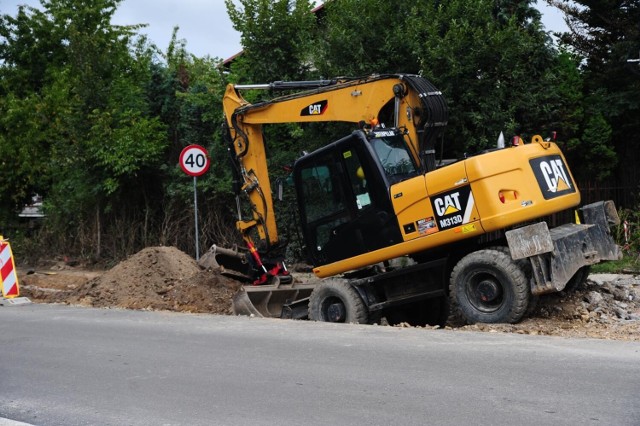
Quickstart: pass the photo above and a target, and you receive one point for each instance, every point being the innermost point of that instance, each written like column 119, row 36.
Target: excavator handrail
column 287, row 85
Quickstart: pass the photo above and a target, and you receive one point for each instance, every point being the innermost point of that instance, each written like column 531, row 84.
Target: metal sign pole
column 194, row 161
column 195, row 209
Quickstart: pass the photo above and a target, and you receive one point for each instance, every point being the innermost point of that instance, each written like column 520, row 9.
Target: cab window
column 394, row 156
column 357, row 178
column 323, row 195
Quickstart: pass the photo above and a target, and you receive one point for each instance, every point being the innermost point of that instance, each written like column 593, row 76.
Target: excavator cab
column 343, row 194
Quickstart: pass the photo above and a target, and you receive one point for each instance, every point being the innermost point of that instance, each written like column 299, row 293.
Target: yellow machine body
column 486, row 193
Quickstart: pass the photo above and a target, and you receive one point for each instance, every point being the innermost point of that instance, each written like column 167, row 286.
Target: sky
column 204, row 24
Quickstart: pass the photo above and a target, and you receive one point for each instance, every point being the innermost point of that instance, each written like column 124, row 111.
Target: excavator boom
column 412, row 102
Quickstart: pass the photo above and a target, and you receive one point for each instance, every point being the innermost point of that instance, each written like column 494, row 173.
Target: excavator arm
column 405, row 101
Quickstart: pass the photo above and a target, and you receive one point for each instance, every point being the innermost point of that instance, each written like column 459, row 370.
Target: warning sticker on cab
column 426, row 226
column 453, row 208
column 553, row 176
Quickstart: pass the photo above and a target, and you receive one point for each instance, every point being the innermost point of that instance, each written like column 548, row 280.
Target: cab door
column 344, row 202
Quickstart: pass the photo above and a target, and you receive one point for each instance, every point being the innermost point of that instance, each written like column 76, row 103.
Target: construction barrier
column 8, row 274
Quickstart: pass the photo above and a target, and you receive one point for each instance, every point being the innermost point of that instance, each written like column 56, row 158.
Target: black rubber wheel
column 525, row 266
column 420, row 314
column 578, row 279
column 488, row 286
column 337, row 301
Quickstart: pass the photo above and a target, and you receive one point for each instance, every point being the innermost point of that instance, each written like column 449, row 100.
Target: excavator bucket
column 275, row 300
column 233, row 262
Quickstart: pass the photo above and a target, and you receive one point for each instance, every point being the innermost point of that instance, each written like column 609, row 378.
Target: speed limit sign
column 194, row 160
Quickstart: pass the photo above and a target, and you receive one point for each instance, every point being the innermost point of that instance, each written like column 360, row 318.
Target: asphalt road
column 74, row 366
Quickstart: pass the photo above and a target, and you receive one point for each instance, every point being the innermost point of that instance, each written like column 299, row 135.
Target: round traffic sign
column 194, row 160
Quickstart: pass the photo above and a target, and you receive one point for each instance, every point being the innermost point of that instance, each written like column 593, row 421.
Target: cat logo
column 553, row 176
column 453, row 208
column 449, row 204
column 317, row 108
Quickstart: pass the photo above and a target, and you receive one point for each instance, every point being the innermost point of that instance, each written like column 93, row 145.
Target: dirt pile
column 156, row 278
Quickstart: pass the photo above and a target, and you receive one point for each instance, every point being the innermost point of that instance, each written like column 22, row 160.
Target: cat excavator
column 393, row 229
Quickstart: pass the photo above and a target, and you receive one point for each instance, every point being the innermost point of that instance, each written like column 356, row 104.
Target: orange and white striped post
column 8, row 275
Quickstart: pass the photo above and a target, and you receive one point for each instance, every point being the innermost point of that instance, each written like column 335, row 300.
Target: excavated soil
column 156, row 278
column 164, row 278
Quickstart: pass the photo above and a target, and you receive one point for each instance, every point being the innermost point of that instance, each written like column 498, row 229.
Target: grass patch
column 626, row 265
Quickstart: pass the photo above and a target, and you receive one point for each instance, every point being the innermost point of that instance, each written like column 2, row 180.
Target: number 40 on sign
column 194, row 160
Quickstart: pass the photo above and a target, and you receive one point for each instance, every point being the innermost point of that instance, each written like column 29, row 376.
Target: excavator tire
column 525, row 265
column 337, row 301
column 487, row 286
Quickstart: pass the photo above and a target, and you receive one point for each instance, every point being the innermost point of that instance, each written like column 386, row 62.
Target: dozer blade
column 273, row 300
column 229, row 262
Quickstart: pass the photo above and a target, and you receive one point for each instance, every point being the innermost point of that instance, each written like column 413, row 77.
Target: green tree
column 491, row 60
column 606, row 35
column 93, row 117
column 276, row 36
column 594, row 149
column 73, row 108
column 30, row 57
column 365, row 37
column 185, row 93
column 112, row 141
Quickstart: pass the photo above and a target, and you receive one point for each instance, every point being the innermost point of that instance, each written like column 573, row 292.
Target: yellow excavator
column 391, row 228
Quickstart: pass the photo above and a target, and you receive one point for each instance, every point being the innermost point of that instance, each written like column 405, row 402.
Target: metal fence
column 625, row 196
